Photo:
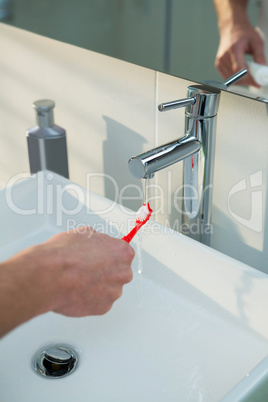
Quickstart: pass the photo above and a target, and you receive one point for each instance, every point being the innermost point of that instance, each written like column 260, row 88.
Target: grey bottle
column 47, row 145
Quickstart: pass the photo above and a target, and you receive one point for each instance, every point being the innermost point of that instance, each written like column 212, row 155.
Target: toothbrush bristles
column 143, row 215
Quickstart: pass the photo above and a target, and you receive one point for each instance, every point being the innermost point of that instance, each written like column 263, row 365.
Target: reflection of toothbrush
column 142, row 216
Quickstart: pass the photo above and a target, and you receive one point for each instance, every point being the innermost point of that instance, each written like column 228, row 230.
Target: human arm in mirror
column 237, row 38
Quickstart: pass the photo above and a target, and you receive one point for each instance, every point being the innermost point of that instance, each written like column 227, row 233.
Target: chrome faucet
column 196, row 148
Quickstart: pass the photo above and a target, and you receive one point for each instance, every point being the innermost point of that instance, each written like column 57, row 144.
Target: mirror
column 175, row 37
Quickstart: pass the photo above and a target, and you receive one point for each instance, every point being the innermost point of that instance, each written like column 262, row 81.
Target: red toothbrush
column 143, row 215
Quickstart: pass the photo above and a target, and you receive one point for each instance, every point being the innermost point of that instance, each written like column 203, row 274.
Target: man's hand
column 79, row 273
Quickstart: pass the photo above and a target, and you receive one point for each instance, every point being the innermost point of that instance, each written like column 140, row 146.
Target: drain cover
column 56, row 362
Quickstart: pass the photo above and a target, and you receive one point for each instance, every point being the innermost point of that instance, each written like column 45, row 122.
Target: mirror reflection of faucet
column 196, row 148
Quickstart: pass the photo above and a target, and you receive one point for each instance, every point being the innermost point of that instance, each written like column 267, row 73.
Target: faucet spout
column 147, row 163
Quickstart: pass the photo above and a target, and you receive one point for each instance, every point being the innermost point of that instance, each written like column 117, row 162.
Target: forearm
column 25, row 289
column 231, row 12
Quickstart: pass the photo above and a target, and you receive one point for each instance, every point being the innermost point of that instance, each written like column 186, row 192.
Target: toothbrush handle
column 132, row 233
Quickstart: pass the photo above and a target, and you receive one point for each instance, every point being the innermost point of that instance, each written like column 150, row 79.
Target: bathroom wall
column 109, row 109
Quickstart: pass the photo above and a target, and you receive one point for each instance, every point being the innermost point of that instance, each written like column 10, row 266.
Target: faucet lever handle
column 164, row 107
column 230, row 81
column 234, row 78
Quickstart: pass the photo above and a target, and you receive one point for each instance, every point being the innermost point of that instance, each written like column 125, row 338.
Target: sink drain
column 56, row 362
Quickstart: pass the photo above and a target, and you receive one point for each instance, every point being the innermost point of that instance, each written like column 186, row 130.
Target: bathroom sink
column 191, row 326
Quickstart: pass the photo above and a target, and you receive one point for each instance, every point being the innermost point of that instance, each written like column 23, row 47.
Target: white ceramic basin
column 191, row 326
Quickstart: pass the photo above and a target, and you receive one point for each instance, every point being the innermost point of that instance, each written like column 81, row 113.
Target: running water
column 143, row 210
column 139, row 254
column 145, row 190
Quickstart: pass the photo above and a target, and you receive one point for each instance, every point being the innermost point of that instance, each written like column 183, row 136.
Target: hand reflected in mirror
column 237, row 38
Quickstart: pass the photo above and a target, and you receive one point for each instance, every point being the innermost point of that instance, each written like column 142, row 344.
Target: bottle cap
column 44, row 112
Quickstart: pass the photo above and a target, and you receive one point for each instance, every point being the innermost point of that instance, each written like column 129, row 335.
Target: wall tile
column 106, row 106
column 240, row 180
